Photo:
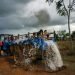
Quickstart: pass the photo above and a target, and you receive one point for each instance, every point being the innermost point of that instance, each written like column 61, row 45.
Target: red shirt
column 1, row 43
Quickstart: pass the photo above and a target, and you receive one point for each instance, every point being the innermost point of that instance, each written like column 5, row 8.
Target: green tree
column 63, row 10
column 56, row 36
column 73, row 35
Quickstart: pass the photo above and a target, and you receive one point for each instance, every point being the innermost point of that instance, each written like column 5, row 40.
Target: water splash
column 54, row 59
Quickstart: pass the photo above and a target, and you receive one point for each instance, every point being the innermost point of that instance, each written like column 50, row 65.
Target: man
column 6, row 46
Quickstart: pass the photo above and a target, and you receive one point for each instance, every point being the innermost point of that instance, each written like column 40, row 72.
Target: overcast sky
column 22, row 16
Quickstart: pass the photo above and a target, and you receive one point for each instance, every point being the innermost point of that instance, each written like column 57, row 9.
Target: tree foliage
column 60, row 6
column 73, row 35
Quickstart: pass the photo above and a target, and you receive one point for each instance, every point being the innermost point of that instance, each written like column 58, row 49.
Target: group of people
column 49, row 48
column 40, row 40
column 5, row 46
column 9, row 41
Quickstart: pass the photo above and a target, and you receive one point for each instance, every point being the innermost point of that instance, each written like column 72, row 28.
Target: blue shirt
column 6, row 45
column 40, row 43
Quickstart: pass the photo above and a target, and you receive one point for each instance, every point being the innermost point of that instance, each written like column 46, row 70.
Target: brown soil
column 6, row 68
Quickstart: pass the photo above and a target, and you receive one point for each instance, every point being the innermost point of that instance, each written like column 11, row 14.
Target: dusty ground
column 7, row 69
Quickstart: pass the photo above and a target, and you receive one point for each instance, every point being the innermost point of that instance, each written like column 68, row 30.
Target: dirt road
column 7, row 69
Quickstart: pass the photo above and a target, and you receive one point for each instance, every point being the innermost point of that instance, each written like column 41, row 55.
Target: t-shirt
column 1, row 43
column 40, row 43
column 6, row 45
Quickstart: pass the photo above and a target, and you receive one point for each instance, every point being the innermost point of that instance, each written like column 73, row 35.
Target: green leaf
column 60, row 8
column 58, row 5
column 46, row 0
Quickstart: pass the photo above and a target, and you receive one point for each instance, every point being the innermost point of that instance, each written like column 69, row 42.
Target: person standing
column 6, row 46
column 1, row 44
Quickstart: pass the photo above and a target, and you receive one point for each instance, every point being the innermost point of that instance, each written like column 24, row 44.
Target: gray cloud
column 59, row 21
column 9, row 17
column 22, row 1
column 8, row 7
column 12, row 16
column 43, row 17
column 10, row 23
